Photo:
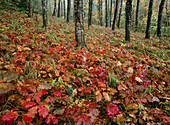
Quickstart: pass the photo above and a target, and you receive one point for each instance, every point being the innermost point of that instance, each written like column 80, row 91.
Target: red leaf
column 87, row 102
column 13, row 109
column 9, row 117
column 84, row 117
column 27, row 118
column 112, row 110
column 39, row 94
column 56, row 93
column 43, row 111
column 28, row 104
column 51, row 119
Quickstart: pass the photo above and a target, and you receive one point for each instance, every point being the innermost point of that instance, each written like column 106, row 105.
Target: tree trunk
column 64, row 9
column 111, row 3
column 106, row 15
column 59, row 8
column 79, row 28
column 147, row 36
column 137, row 15
column 55, row 6
column 101, row 20
column 68, row 10
column 90, row 13
column 44, row 12
column 161, row 6
column 128, row 19
column 30, row 8
column 99, row 10
column 120, row 12
column 115, row 15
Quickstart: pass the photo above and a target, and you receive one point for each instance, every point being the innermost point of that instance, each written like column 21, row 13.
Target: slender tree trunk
column 68, row 10
column 111, row 3
column 59, row 8
column 161, row 6
column 90, row 13
column 115, row 15
column 106, row 15
column 120, row 12
column 30, row 8
column 55, row 6
column 137, row 14
column 167, row 15
column 79, row 27
column 44, row 12
column 128, row 19
column 101, row 22
column 99, row 10
column 147, row 36
column 64, row 9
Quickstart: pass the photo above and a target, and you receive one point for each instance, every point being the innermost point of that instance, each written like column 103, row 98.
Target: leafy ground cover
column 45, row 79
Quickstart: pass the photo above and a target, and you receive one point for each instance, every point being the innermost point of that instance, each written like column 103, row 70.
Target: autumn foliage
column 45, row 79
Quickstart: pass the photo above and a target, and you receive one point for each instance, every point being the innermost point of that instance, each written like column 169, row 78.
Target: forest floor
column 45, row 79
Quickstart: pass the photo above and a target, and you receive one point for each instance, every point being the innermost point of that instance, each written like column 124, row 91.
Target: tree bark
column 115, row 15
column 90, row 13
column 120, row 12
column 161, row 6
column 101, row 20
column 128, row 19
column 68, row 10
column 111, row 3
column 99, row 10
column 64, row 9
column 79, row 27
column 59, row 8
column 30, row 8
column 106, row 13
column 44, row 12
column 137, row 15
column 147, row 36
column 55, row 7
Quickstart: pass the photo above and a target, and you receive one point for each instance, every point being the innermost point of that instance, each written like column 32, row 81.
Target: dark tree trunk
column 115, row 15
column 55, row 7
column 106, row 15
column 44, row 12
column 30, row 8
column 120, row 12
column 161, row 6
column 101, row 20
column 68, row 10
column 59, row 8
column 128, row 19
column 90, row 13
column 79, row 27
column 147, row 36
column 137, row 15
column 111, row 3
column 64, row 9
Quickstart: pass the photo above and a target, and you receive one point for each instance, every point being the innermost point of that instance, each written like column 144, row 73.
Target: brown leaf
column 98, row 96
column 130, row 70
column 26, row 49
column 59, row 111
column 106, row 96
column 43, row 86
